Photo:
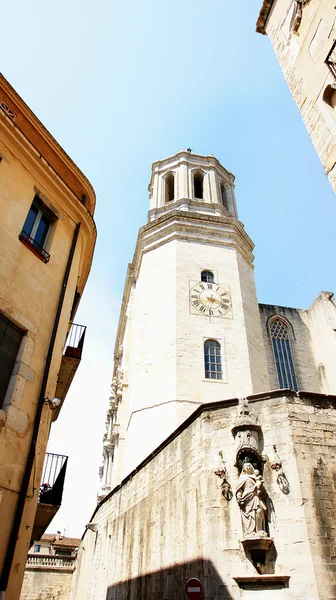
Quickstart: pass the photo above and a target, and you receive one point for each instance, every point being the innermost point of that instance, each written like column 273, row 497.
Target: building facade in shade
column 47, row 238
column 303, row 36
column 50, row 566
column 207, row 473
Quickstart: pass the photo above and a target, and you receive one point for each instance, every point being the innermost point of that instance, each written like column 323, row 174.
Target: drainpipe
column 31, row 456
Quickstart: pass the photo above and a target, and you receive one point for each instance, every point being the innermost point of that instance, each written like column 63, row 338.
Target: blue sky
column 122, row 84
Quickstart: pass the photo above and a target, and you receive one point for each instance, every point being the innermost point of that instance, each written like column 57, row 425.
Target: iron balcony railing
column 52, row 482
column 75, row 341
column 29, row 241
column 330, row 61
column 50, row 560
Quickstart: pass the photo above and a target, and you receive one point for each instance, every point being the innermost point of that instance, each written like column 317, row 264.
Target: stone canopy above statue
column 246, row 432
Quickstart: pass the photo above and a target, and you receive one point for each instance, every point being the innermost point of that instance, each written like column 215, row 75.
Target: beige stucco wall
column 29, row 295
column 169, row 520
column 301, row 58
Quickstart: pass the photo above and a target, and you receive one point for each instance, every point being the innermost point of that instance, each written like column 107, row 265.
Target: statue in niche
column 250, row 495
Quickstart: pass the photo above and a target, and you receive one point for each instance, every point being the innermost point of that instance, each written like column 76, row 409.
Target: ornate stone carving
column 223, row 474
column 250, row 491
column 246, row 433
column 120, row 381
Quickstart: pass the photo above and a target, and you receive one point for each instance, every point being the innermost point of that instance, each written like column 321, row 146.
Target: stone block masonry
column 169, row 521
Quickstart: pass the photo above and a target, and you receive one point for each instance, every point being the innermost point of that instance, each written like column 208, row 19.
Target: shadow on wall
column 169, row 584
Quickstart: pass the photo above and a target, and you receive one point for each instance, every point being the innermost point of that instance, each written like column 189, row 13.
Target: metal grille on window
column 331, row 60
column 212, row 360
column 10, row 340
column 283, row 355
column 207, row 276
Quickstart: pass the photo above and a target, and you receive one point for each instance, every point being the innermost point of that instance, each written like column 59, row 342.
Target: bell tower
column 187, row 176
column 189, row 329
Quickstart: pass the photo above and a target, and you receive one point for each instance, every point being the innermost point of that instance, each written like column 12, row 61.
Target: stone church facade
column 207, row 473
column 303, row 36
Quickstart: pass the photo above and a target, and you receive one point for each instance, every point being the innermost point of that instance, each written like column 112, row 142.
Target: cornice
column 45, row 144
column 54, row 188
column 263, row 16
column 286, row 396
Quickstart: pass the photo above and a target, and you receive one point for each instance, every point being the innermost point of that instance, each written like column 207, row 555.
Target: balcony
column 51, row 491
column 71, row 358
column 38, row 250
column 50, row 562
column 330, row 61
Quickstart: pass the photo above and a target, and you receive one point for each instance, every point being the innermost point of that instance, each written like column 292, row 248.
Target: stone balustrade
column 50, row 560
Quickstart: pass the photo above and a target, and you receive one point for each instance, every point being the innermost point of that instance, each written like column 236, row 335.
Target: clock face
column 210, row 299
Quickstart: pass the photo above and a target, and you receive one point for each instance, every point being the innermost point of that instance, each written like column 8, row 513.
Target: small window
column 63, row 552
column 170, row 188
column 212, row 360
column 37, row 228
column 329, row 96
column 283, row 354
column 37, row 548
column 207, row 276
column 198, row 185
column 10, row 340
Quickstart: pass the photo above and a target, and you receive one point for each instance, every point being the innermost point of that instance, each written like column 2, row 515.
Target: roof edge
column 212, row 406
column 38, row 135
column 263, row 16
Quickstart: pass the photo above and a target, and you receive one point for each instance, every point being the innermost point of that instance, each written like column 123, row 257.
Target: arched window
column 329, row 96
column 198, row 185
column 283, row 354
column 170, row 188
column 212, row 360
column 207, row 276
column 224, row 196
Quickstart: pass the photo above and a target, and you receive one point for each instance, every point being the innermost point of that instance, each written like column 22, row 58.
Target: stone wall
column 169, row 521
column 302, row 60
column 46, row 584
column 301, row 345
column 313, row 343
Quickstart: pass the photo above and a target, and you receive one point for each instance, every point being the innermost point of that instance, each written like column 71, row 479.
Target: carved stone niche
column 246, row 434
column 250, row 492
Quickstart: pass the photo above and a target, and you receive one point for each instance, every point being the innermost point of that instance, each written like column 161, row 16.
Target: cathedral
column 219, row 448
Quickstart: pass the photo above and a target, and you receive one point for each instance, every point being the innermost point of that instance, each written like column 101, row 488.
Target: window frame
column 169, row 180
column 206, row 276
column 217, row 345
column 12, row 361
column 28, row 237
column 198, row 174
column 284, row 355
